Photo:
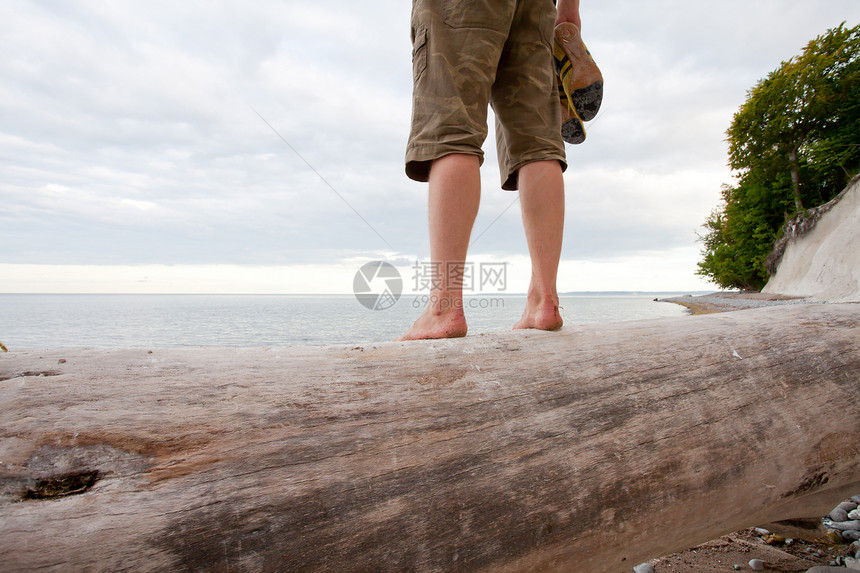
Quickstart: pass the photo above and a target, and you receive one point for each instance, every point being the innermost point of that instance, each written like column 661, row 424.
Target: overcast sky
column 258, row 147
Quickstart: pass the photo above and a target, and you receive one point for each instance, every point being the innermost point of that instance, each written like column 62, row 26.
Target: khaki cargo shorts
column 467, row 54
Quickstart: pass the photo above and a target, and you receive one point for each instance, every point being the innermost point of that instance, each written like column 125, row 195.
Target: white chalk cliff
column 822, row 263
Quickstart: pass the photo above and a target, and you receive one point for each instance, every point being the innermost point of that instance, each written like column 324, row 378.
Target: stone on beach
column 843, row 523
column 838, row 514
column 853, row 525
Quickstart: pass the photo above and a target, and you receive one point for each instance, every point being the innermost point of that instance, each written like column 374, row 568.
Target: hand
column 568, row 11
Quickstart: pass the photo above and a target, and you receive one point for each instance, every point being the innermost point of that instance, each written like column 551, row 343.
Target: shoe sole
column 572, row 128
column 580, row 81
column 587, row 100
column 572, row 131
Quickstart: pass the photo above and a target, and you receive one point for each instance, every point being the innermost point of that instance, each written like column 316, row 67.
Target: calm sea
column 44, row 321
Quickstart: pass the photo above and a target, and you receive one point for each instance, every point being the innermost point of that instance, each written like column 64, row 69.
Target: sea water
column 45, row 321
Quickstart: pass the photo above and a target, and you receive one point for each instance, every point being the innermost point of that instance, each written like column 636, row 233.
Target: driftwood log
column 589, row 449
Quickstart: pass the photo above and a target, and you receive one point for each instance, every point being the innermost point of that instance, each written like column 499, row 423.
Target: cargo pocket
column 419, row 52
column 473, row 14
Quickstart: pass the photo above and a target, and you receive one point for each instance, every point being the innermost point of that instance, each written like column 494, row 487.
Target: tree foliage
column 794, row 143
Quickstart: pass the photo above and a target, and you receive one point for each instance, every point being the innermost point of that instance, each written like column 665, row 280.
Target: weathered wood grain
column 589, row 449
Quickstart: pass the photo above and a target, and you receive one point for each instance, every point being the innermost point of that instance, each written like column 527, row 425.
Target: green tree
column 794, row 143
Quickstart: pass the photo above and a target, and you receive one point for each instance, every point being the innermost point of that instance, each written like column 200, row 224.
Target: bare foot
column 435, row 324
column 543, row 316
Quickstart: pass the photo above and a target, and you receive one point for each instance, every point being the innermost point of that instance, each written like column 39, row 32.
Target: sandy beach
column 726, row 301
column 737, row 549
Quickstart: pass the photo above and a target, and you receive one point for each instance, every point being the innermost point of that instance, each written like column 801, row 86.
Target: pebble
column 774, row 539
column 856, row 498
column 761, row 531
column 838, row 514
column 756, row 564
column 853, row 525
column 644, row 568
column 851, row 535
column 854, row 514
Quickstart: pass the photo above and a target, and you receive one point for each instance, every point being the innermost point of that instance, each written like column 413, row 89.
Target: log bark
column 589, row 449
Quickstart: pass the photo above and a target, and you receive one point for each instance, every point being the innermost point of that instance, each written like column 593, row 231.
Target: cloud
column 131, row 132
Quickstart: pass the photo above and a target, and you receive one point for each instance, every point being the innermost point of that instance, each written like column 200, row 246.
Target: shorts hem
column 510, row 181
column 418, row 162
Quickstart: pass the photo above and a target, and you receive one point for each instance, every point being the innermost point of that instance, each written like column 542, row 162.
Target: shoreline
column 729, row 301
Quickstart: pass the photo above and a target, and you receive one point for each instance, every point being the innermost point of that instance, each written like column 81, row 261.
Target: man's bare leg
column 454, row 197
column 542, row 198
